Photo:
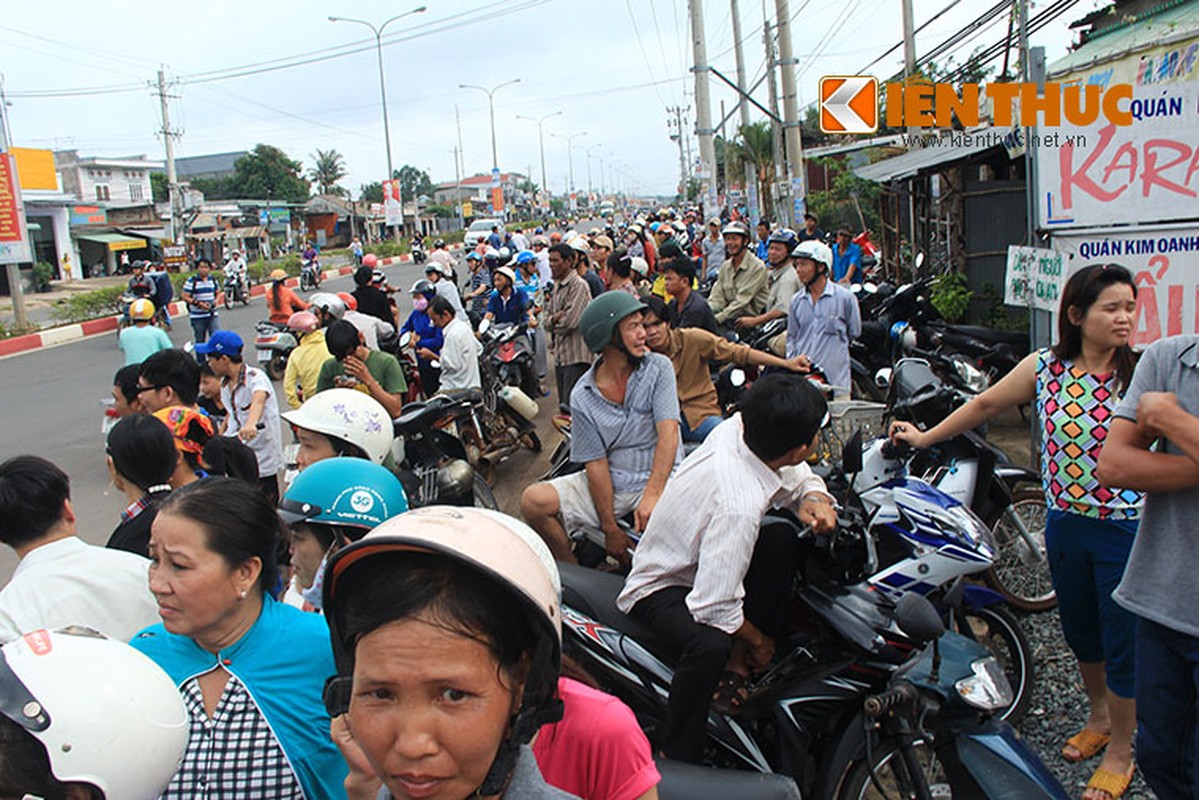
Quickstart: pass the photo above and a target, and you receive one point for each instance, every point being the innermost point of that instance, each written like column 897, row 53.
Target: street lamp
column 495, row 159
column 382, row 88
column 541, row 144
column 570, row 157
column 588, row 150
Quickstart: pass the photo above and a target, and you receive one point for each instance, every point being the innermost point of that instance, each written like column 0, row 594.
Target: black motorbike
column 507, row 359
column 435, row 468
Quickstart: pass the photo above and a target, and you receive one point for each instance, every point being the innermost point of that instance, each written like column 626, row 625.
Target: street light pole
column 588, row 150
column 570, row 160
column 378, row 32
column 541, row 144
column 495, row 159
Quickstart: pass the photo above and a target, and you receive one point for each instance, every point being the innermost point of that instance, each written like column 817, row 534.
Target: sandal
column 1087, row 743
column 1113, row 783
column 731, row 693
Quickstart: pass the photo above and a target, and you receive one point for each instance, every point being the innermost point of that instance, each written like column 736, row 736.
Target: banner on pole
column 392, row 208
column 14, row 238
column 1034, row 278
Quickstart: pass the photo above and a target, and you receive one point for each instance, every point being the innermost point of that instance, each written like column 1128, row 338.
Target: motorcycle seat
column 682, row 781
column 594, row 593
column 421, row 414
column 1015, row 338
column 464, row 395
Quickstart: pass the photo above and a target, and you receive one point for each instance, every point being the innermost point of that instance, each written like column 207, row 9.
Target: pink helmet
column 370, row 260
column 303, row 321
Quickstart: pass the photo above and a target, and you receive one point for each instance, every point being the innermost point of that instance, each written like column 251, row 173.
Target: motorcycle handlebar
column 901, row 694
column 895, row 451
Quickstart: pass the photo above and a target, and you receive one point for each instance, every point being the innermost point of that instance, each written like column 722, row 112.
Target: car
column 479, row 230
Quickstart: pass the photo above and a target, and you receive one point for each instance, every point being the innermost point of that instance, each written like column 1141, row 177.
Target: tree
column 158, row 187
column 527, row 186
column 371, row 192
column 330, row 168
column 414, row 182
column 849, row 202
column 755, row 145
column 265, row 172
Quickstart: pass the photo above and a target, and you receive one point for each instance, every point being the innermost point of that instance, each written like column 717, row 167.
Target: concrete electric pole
column 703, row 110
column 796, row 180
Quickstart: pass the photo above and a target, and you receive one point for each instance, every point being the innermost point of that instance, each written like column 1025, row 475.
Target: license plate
column 264, row 356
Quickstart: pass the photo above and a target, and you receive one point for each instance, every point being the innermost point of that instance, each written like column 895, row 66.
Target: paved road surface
column 50, row 401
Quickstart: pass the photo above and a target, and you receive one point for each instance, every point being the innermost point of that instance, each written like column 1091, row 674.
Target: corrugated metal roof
column 925, row 158
column 1169, row 26
column 207, row 165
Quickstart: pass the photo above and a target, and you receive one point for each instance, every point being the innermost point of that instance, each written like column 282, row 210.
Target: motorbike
column 122, row 311
column 1007, row 497
column 236, row 291
column 507, row 359
column 273, row 343
column 418, row 252
column 866, row 693
column 310, row 274
column 403, row 348
column 430, row 448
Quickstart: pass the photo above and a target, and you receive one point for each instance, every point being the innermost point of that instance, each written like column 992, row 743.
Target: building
column 109, row 181
column 476, row 190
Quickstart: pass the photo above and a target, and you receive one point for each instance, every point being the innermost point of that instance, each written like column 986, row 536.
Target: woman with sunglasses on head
column 1089, row 530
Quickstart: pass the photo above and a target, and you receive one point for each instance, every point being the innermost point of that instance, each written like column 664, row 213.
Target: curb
column 81, row 330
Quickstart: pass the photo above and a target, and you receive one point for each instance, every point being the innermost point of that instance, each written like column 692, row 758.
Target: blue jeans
column 1167, row 709
column 203, row 328
column 701, row 430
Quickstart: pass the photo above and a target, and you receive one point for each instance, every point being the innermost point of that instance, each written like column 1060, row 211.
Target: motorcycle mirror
column 484, row 326
column 919, row 260
column 405, row 339
column 882, row 378
column 856, row 288
column 851, row 454
column 869, row 288
column 737, row 378
column 918, row 618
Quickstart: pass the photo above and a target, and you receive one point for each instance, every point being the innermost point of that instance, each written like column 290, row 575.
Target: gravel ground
column 1059, row 706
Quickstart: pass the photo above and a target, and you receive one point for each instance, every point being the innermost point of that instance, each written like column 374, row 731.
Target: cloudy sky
column 611, row 67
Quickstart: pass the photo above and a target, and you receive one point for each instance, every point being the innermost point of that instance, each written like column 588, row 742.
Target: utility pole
column 776, row 131
column 168, row 138
column 797, row 183
column 703, row 109
column 545, row 185
column 751, row 194
column 457, row 168
column 457, row 185
column 909, row 50
column 677, row 136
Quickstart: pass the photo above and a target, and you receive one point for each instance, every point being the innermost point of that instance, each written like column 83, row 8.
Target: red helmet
column 350, row 300
column 370, row 260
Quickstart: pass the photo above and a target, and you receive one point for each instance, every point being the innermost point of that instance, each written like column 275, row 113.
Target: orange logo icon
column 848, row 104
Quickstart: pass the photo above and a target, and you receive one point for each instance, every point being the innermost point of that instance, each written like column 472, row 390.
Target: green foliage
column 42, row 274
column 330, row 168
column 413, row 182
column 265, row 172
column 951, row 296
column 258, row 271
column 836, row 208
column 755, row 145
column 527, row 186
column 388, row 249
column 88, row 305
column 371, row 192
column 999, row 315
column 440, row 211
column 158, row 187
column 8, row 329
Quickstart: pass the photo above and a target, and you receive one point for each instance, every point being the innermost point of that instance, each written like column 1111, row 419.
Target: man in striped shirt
column 199, row 292
column 705, row 577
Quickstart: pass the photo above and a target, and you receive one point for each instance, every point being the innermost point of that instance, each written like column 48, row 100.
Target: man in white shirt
column 519, row 240
column 442, row 255
column 705, row 577
column 439, row 275
column 459, row 350
column 61, row 579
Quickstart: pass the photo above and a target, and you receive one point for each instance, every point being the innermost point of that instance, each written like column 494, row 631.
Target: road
column 51, row 401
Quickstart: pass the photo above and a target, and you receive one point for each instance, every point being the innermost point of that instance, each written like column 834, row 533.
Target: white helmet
column 814, row 250
column 349, row 415
column 106, row 714
column 331, row 304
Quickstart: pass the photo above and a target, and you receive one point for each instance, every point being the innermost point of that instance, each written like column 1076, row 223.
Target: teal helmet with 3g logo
column 347, row 492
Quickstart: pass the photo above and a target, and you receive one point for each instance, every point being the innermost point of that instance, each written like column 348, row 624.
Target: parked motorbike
column 404, row 350
column 310, row 274
column 273, row 344
column 236, row 291
column 507, row 360
column 430, row 448
column 866, row 692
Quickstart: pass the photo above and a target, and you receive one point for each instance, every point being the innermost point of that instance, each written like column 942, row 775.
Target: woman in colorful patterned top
column 1089, row 530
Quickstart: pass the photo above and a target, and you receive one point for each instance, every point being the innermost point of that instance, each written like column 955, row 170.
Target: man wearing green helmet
column 625, row 425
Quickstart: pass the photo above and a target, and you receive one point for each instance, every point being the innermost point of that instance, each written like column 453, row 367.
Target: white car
column 479, row 230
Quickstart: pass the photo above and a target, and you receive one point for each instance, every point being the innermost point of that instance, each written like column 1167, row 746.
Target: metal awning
column 113, row 241
column 250, row 232
column 152, row 234
column 924, row 158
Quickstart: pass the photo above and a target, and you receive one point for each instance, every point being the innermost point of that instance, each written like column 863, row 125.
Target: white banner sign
column 1105, row 174
column 1034, row 277
column 1164, row 261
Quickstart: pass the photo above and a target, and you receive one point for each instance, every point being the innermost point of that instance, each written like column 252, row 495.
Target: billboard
column 36, row 168
column 14, row 241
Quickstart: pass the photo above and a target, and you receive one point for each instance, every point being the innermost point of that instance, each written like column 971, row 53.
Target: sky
column 611, row 67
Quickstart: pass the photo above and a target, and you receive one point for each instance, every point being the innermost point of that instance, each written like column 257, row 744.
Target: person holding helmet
column 446, row 628
column 480, row 287
column 428, row 339
column 250, row 668
column 741, row 285
column 329, row 505
column 371, row 301
column 341, row 423
column 281, row 301
column 823, row 318
column 438, row 275
column 142, row 340
column 87, row 717
column 625, row 417
column 782, row 280
column 305, row 362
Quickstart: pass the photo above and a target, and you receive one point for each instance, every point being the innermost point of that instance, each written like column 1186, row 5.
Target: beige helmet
column 350, row 416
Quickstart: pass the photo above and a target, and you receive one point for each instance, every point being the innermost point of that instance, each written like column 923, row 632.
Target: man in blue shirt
column 847, row 260
column 199, row 292
column 763, row 237
column 495, row 240
column 507, row 304
column 824, row 316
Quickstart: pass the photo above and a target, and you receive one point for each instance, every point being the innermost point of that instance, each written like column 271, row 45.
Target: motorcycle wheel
column 893, row 775
column 276, row 367
column 532, row 441
column 228, row 301
column 997, row 629
column 484, row 498
column 1022, row 577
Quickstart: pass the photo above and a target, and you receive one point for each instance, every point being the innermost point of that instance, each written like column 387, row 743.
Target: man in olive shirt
column 741, row 287
column 563, row 312
column 354, row 366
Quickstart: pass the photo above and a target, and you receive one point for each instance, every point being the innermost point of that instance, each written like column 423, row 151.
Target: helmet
column 439, row 243
column 580, row 244
column 424, row 287
column 106, row 714
column 370, row 260
column 814, row 250
column 278, row 275
column 526, row 257
column 905, row 334
column 350, row 416
column 303, row 321
column 639, row 265
column 655, row 227
column 736, row 227
column 507, row 273
column 500, row 550
column 541, row 240
column 344, row 491
column 331, row 304
column 505, row 254
column 489, row 255
column 786, row 237
column 378, row 277
column 473, row 256
column 350, row 300
column 141, row 308
column 603, row 314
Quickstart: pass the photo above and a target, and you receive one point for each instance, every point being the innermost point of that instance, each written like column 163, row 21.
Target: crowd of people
column 257, row 593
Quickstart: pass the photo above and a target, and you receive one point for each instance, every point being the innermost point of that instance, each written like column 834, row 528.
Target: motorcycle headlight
column 988, row 687
column 970, row 522
column 974, row 378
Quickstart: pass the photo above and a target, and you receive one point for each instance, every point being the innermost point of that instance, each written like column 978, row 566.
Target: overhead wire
column 641, row 45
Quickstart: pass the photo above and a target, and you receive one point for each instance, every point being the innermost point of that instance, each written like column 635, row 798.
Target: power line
column 641, row 45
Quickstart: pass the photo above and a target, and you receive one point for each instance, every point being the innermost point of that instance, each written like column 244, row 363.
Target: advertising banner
column 393, row 211
column 88, row 215
column 14, row 241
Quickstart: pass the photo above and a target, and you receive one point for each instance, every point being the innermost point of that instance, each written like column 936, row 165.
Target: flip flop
column 1087, row 743
column 731, row 693
column 1113, row 783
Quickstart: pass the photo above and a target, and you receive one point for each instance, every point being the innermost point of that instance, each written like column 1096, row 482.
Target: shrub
column 89, row 305
column 951, row 296
column 43, row 273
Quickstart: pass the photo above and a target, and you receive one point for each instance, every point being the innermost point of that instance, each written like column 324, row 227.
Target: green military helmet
column 603, row 314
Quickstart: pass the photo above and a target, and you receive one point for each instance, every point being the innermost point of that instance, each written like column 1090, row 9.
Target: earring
column 243, row 594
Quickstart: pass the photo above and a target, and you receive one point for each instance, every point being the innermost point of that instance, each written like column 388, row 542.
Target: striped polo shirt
column 202, row 291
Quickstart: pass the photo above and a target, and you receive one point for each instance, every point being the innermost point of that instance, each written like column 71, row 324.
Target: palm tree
column 755, row 144
column 330, row 168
